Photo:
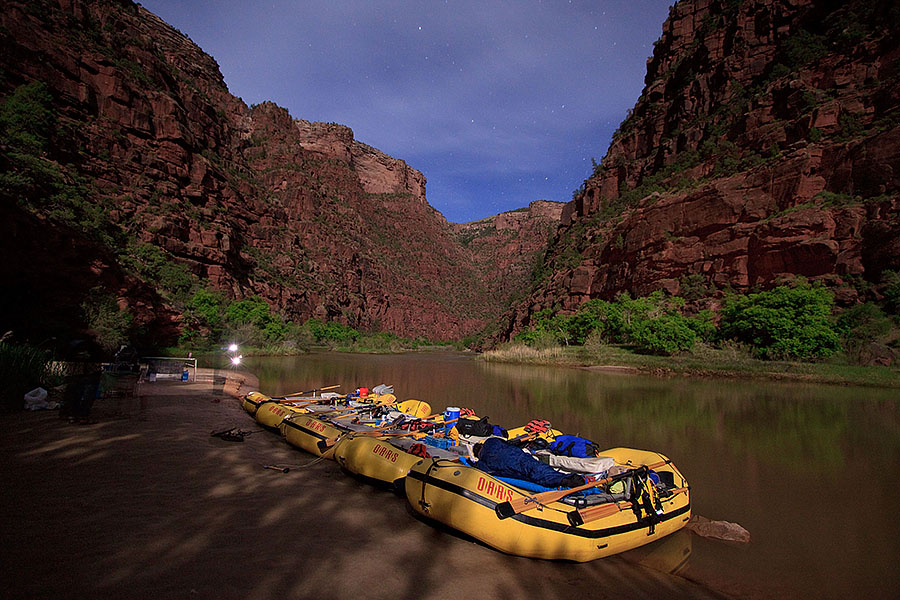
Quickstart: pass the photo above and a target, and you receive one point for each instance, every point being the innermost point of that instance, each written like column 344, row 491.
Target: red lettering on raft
column 385, row 453
column 494, row 489
column 313, row 424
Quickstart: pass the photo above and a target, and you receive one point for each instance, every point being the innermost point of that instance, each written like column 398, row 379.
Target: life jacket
column 572, row 445
column 419, row 449
column 416, row 425
column 538, row 426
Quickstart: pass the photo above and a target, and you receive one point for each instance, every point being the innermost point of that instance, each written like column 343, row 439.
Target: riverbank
column 146, row 504
column 706, row 362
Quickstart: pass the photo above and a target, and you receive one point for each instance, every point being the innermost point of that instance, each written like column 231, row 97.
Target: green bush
column 206, row 306
column 27, row 119
column 666, row 334
column 891, row 281
column 159, row 268
column 703, row 325
column 254, row 319
column 803, row 48
column 862, row 325
column 332, row 332
column 784, row 323
column 652, row 324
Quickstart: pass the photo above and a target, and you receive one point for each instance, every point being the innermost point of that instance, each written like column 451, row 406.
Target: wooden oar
column 581, row 516
column 313, row 391
column 300, row 404
column 515, row 506
column 355, row 408
column 329, row 442
column 524, row 437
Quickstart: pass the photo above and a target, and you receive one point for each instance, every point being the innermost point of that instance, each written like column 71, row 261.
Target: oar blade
column 593, row 513
column 518, row 505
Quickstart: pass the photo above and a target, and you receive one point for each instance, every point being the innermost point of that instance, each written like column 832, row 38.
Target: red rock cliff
column 160, row 156
column 508, row 248
column 766, row 142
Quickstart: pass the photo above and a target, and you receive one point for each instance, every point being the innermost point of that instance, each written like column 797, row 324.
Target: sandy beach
column 146, row 504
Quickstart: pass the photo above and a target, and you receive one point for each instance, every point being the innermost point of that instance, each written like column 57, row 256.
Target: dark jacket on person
column 505, row 460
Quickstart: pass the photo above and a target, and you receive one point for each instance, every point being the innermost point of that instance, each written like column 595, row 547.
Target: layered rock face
column 508, row 248
column 249, row 199
column 766, row 143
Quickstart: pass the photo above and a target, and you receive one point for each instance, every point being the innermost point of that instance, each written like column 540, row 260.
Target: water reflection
column 811, row 471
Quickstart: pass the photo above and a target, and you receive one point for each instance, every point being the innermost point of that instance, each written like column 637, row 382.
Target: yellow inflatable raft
column 305, row 431
column 387, row 459
column 271, row 414
column 467, row 499
column 384, row 460
column 253, row 401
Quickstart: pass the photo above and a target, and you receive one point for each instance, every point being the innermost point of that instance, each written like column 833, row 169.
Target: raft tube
column 252, row 401
column 465, row 498
column 382, row 460
column 271, row 414
column 305, row 431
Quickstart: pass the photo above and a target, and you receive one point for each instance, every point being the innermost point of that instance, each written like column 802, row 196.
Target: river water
column 812, row 471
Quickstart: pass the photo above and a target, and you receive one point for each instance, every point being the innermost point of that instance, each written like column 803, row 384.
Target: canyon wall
column 168, row 177
column 765, row 144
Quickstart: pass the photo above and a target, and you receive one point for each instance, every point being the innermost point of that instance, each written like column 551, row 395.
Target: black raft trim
column 305, row 430
column 543, row 523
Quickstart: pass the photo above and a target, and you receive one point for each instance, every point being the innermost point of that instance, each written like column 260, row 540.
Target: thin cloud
column 497, row 103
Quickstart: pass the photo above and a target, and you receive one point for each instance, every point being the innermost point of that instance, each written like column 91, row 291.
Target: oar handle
column 581, row 516
column 358, row 408
column 313, row 391
column 527, row 502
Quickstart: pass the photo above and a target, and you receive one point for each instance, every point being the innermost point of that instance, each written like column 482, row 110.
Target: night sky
column 498, row 103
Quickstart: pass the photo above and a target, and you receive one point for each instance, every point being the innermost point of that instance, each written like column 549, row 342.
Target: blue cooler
column 451, row 414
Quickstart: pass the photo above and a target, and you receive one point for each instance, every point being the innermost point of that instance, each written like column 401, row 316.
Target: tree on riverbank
column 210, row 320
column 654, row 324
column 794, row 321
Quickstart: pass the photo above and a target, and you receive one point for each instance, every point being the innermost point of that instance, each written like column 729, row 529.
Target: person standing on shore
column 82, row 380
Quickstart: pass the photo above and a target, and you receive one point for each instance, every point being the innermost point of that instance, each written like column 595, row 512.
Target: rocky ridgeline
column 508, row 248
column 248, row 198
column 766, row 142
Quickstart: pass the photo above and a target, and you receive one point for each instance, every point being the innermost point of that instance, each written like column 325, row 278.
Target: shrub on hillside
column 862, row 325
column 254, row 319
column 332, row 332
column 784, row 323
column 110, row 324
column 666, row 334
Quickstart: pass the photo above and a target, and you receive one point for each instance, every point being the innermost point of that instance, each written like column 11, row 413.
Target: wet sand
column 146, row 504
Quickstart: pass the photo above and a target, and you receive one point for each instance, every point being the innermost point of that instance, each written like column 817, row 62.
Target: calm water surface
column 813, row 472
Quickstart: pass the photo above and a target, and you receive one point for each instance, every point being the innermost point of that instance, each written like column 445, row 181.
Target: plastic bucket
column 450, row 414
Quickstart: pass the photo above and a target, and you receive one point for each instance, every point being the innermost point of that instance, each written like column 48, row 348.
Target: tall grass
column 733, row 360
column 22, row 368
column 522, row 353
